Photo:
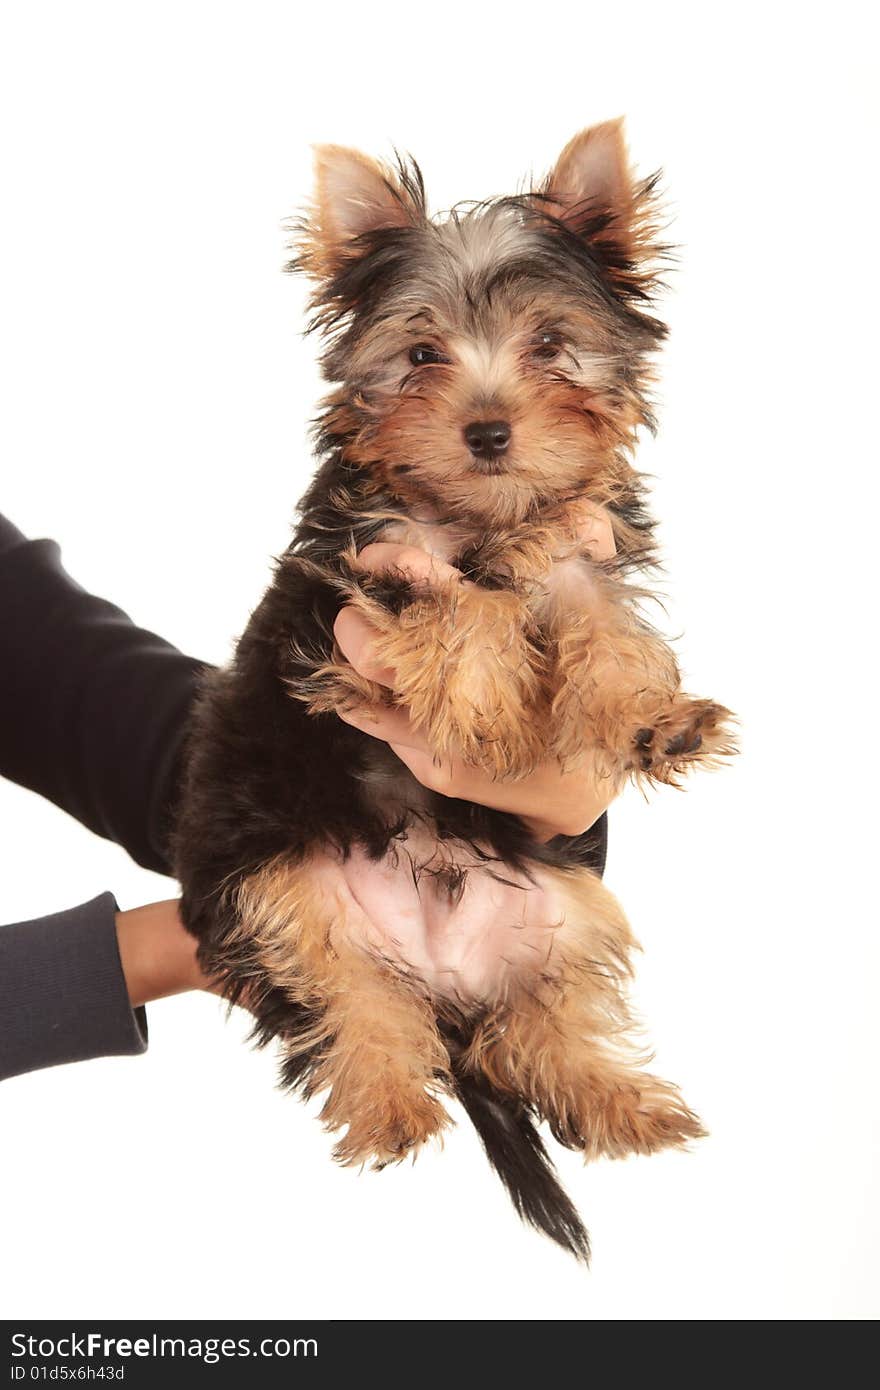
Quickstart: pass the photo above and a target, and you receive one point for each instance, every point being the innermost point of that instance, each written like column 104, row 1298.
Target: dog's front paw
column 468, row 671
column 692, row 732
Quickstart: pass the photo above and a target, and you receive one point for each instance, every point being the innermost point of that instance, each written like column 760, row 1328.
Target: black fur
column 516, row 1152
column 266, row 779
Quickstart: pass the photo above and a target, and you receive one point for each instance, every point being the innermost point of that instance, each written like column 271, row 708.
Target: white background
column 156, row 399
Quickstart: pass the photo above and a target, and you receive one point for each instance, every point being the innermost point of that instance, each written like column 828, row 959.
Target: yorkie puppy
column 490, row 371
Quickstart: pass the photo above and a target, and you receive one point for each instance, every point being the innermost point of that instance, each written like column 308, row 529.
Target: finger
column 355, row 637
column 596, row 531
column 416, row 564
column 453, row 778
column 434, row 774
column 550, row 802
column 392, row 725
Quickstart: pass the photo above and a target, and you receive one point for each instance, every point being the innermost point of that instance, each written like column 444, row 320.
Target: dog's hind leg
column 562, row 1040
column 372, row 1041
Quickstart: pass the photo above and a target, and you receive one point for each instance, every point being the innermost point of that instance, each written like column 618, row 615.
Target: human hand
column 553, row 800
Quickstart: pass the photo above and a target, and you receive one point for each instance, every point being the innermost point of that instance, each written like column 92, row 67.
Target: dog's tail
column 516, row 1152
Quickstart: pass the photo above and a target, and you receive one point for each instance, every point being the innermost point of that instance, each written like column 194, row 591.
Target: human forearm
column 158, row 954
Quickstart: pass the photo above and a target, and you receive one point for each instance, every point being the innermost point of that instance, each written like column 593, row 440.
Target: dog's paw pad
column 686, row 742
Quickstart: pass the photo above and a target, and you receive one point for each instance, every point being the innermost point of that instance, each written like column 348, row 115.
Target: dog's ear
column 592, row 178
column 593, row 192
column 354, row 196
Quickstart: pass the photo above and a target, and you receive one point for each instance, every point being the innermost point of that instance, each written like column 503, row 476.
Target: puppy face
column 495, row 361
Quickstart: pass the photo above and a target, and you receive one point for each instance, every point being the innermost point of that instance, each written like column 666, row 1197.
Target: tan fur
column 549, row 656
column 563, row 1039
column 594, row 175
column 383, row 1053
column 341, row 687
column 594, row 168
column 614, row 676
column 562, row 431
column 558, row 1034
column 467, row 670
column 352, row 194
column 559, row 662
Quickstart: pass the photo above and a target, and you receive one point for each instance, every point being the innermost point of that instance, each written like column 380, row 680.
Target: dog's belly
column 463, row 925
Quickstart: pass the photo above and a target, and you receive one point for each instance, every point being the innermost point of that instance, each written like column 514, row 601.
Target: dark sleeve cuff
column 62, row 991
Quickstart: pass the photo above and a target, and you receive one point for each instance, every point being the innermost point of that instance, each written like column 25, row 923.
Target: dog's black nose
column 486, row 439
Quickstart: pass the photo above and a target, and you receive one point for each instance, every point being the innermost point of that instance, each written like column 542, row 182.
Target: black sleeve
column 92, row 708
column 62, row 992
column 93, row 712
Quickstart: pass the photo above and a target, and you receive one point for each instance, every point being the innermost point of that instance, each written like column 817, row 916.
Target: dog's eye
column 423, row 355
column 546, row 346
